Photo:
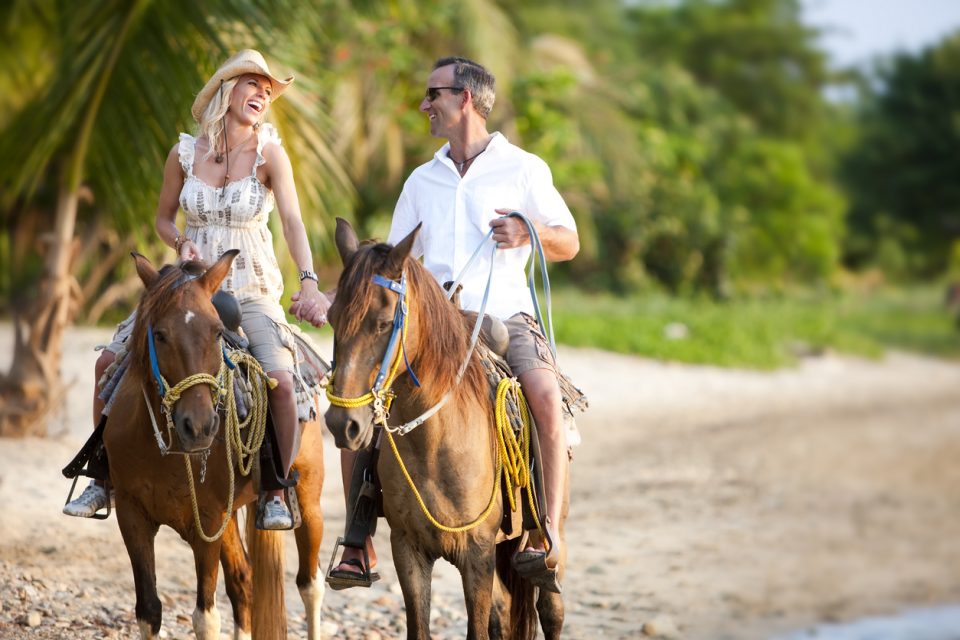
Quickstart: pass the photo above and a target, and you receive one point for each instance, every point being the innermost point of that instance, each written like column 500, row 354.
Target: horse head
column 178, row 326
column 363, row 319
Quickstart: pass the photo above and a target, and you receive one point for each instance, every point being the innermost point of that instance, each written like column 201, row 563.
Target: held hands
column 310, row 304
column 509, row 232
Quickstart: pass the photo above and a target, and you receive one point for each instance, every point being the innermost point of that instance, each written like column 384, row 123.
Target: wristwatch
column 307, row 274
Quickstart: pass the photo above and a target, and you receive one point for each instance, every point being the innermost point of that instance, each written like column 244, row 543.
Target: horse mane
column 441, row 348
column 155, row 302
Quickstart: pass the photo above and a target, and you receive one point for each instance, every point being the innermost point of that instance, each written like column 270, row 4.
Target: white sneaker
column 276, row 515
column 93, row 498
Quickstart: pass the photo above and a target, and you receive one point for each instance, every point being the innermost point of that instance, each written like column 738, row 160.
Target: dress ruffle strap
column 268, row 133
column 187, row 148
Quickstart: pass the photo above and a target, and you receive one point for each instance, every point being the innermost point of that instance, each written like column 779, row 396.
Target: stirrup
column 293, row 505
column 96, row 514
column 339, row 579
column 539, row 567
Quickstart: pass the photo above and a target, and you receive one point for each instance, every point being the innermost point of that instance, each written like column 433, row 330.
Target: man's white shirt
column 456, row 214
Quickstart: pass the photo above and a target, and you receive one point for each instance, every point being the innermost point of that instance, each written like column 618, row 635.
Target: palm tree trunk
column 33, row 387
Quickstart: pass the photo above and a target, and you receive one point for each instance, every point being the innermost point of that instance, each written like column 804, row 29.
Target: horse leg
column 550, row 605
column 237, row 580
column 477, row 576
column 499, row 609
column 139, row 533
column 414, row 570
column 206, row 617
column 310, row 533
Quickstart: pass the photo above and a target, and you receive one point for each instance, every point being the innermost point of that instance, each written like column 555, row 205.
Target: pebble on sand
column 661, row 626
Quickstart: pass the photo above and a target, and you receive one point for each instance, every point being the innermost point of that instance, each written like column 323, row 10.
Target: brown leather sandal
column 339, row 579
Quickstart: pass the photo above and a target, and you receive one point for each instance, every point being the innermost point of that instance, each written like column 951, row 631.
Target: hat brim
column 232, row 71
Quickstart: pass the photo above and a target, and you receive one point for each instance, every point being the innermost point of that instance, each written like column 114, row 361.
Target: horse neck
column 441, row 347
column 463, row 425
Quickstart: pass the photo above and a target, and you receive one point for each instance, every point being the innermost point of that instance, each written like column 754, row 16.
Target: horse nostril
column 352, row 430
column 210, row 428
column 188, row 426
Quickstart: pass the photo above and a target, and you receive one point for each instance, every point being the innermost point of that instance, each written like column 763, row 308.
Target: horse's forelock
column 156, row 301
column 355, row 288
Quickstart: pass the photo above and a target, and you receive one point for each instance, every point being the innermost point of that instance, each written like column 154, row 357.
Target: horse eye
column 159, row 337
column 384, row 326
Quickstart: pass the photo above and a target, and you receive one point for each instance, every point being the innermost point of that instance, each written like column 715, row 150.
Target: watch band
column 306, row 274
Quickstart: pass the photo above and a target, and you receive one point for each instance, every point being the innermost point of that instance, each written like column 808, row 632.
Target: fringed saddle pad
column 497, row 369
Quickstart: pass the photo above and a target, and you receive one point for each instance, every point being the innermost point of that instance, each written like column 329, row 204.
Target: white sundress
column 234, row 217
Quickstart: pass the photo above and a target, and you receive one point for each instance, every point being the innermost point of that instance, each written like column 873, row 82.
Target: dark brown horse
column 450, row 458
column 152, row 489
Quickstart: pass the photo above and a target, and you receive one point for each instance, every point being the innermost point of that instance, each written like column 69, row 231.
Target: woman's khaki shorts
column 528, row 347
column 264, row 324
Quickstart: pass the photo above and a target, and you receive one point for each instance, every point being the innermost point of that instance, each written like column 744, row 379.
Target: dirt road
column 710, row 503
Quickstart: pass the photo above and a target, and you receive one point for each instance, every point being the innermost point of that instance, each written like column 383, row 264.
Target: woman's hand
column 310, row 304
column 189, row 251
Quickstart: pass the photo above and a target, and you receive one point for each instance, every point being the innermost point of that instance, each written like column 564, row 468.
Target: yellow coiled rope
column 512, row 460
column 255, row 423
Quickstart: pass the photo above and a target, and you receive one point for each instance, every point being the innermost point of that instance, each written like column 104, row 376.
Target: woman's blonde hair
column 211, row 122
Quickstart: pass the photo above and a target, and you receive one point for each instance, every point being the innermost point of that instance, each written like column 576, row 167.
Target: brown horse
column 450, row 458
column 177, row 315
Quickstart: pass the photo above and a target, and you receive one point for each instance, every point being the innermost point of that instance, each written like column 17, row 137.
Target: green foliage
column 671, row 170
column 905, row 212
column 758, row 332
column 756, row 53
column 116, row 84
column 690, row 138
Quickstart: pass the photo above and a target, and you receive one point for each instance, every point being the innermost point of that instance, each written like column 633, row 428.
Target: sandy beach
column 709, row 503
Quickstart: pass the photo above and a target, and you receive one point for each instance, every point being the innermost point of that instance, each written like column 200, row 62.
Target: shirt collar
column 497, row 140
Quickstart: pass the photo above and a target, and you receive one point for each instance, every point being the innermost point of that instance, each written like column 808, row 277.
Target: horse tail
column 521, row 594
column 266, row 560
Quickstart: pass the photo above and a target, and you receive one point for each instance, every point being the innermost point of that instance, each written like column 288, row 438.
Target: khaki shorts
column 528, row 346
column 265, row 325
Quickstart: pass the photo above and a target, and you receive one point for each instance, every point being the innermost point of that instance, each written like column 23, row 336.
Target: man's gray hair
column 475, row 77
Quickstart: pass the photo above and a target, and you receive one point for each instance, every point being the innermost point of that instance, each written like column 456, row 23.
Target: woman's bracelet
column 178, row 243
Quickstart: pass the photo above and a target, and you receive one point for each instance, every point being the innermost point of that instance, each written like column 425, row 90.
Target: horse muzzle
column 196, row 429
column 352, row 429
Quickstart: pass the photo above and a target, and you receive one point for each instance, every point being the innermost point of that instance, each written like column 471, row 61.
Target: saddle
column 310, row 376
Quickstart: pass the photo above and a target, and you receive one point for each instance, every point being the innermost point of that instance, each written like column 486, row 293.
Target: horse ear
column 399, row 253
column 145, row 270
column 346, row 238
column 213, row 276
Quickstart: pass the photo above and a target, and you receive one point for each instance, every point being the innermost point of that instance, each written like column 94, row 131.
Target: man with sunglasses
column 469, row 186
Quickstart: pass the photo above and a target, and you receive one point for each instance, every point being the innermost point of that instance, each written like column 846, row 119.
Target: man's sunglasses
column 434, row 92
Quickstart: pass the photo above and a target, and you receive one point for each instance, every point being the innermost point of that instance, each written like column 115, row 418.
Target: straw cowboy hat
column 246, row 61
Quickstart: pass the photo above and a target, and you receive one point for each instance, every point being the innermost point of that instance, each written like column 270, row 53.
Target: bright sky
column 862, row 29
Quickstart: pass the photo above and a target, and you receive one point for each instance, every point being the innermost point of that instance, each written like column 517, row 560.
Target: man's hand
column 509, row 232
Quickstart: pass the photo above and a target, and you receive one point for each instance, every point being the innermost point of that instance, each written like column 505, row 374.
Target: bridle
column 380, row 395
column 169, row 395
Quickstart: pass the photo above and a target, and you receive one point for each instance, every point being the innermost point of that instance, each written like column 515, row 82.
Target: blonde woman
column 228, row 180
